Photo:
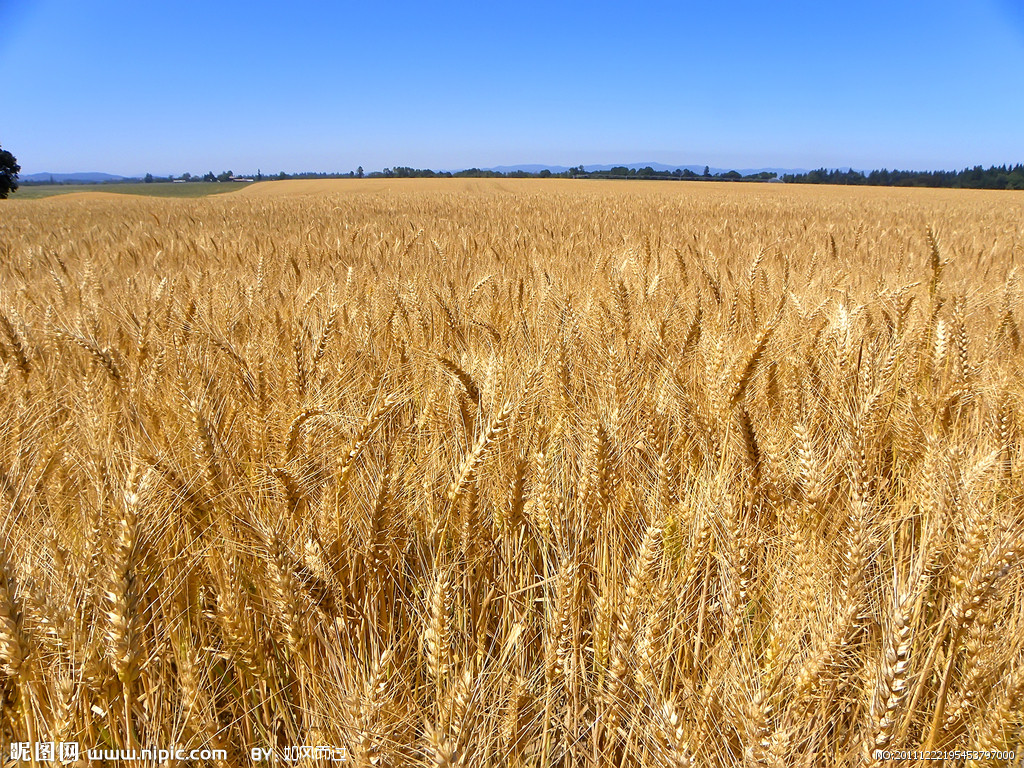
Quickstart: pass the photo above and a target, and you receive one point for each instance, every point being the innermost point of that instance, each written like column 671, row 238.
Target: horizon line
column 511, row 167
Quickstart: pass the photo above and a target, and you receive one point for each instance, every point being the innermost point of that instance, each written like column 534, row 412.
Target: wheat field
column 515, row 473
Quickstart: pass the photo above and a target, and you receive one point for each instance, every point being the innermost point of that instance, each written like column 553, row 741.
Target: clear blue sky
column 130, row 87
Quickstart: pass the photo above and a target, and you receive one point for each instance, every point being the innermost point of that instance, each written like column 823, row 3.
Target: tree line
column 995, row 177
column 576, row 172
column 978, row 177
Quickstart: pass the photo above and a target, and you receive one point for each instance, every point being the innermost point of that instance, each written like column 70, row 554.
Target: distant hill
column 528, row 168
column 95, row 177
column 92, row 177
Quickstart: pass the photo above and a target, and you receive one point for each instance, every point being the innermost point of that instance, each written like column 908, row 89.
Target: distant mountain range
column 698, row 169
column 95, row 177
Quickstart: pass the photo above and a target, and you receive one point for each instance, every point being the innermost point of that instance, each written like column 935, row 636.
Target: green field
column 156, row 189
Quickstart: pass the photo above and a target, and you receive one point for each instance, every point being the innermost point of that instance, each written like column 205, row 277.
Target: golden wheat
column 514, row 473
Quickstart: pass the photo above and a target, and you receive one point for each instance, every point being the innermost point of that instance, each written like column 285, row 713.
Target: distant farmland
column 155, row 189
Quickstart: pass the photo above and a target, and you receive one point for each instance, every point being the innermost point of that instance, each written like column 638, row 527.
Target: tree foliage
column 995, row 177
column 9, row 170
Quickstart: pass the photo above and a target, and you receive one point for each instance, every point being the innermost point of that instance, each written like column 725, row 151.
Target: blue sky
column 130, row 87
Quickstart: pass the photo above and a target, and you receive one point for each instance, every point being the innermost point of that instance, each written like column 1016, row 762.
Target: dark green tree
column 9, row 170
column 149, row 178
column 359, row 172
